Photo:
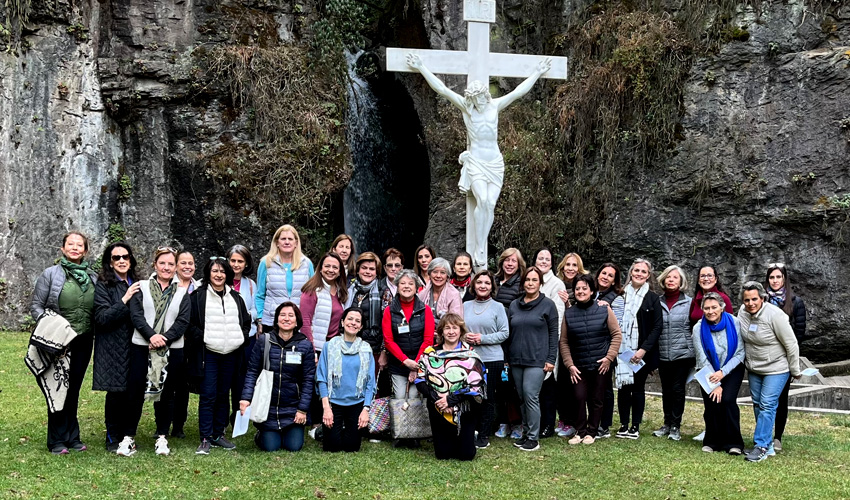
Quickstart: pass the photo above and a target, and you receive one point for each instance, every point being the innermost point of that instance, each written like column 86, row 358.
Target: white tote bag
column 263, row 390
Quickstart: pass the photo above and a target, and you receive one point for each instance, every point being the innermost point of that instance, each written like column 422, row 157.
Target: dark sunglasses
column 116, row 258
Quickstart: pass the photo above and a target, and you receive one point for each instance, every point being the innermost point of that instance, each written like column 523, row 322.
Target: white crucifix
column 483, row 166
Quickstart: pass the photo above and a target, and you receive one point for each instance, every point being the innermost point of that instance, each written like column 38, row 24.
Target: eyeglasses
column 706, row 276
column 116, row 258
column 166, row 249
column 775, row 264
column 392, row 266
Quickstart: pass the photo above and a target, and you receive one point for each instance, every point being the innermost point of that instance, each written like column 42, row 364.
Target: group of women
column 493, row 354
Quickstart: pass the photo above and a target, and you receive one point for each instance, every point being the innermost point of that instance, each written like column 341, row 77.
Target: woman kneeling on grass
column 451, row 377
column 293, row 366
column 346, row 381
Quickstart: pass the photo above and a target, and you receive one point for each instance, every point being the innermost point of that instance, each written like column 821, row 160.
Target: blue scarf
column 727, row 322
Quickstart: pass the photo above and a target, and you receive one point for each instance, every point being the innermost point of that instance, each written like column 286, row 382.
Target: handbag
column 379, row 415
column 263, row 390
column 410, row 417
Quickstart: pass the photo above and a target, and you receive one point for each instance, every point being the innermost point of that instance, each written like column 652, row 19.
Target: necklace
column 486, row 306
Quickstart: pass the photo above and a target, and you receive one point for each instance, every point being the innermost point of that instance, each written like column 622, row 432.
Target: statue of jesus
column 483, row 168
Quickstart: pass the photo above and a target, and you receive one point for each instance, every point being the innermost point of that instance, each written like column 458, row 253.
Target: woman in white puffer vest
column 218, row 331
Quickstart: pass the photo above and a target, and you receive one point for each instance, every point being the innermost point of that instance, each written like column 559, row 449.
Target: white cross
column 477, row 61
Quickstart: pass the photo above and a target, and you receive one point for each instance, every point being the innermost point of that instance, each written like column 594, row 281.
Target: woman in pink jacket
column 442, row 299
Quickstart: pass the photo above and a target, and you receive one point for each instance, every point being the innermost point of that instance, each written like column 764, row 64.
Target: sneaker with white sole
column 633, row 433
column 757, row 454
column 623, row 431
column 161, row 446
column 127, row 447
column 603, row 433
column 700, row 436
column 575, row 439
column 516, row 432
column 777, row 445
column 675, row 434
column 504, row 430
column 568, row 431
column 530, row 445
column 222, row 442
column 588, row 439
column 204, row 447
column 663, row 431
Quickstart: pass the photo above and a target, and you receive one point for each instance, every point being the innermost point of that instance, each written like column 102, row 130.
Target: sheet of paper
column 626, row 357
column 809, row 372
column 702, row 378
column 241, row 425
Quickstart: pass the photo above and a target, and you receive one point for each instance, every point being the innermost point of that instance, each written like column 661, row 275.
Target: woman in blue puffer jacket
column 293, row 363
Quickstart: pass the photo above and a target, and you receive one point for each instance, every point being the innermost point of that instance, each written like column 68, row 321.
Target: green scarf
column 79, row 272
column 161, row 300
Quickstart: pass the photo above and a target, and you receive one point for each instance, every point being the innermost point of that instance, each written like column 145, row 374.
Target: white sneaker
column 312, row 432
column 700, row 436
column 127, row 447
column 162, row 446
column 504, row 431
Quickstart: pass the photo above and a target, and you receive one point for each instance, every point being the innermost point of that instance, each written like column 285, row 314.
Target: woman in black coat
column 293, row 364
column 782, row 296
column 113, row 334
column 641, row 321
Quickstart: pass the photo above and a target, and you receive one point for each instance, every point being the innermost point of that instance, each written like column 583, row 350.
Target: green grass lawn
column 815, row 463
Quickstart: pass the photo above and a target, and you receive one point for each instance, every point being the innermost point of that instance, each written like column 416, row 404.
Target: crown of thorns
column 475, row 88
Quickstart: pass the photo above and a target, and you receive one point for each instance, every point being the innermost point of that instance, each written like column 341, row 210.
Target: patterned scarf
column 79, row 272
column 161, row 301
column 777, row 297
column 357, row 293
column 336, row 347
column 628, row 324
column 458, row 371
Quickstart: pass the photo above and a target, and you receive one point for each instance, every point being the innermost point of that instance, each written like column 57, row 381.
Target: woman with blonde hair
column 281, row 274
column 570, row 267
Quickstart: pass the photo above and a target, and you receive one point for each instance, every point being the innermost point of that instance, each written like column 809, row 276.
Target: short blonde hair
column 666, row 272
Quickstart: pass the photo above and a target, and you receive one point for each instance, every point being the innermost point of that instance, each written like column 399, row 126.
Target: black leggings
column 493, row 405
column 344, row 435
column 674, row 379
column 63, row 428
column 632, row 399
column 449, row 441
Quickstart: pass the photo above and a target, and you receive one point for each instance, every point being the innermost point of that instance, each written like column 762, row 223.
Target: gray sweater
column 533, row 339
column 490, row 320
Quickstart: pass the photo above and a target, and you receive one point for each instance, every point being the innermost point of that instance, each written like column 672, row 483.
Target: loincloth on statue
column 491, row 172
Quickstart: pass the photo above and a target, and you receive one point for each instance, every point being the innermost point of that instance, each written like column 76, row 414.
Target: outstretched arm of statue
column 542, row 67
column 415, row 62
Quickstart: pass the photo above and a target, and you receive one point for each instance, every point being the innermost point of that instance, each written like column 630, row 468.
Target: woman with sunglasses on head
column 113, row 339
column 242, row 263
column 281, row 274
column 68, row 289
column 781, row 295
column 218, row 331
column 707, row 281
column 641, row 324
column 160, row 314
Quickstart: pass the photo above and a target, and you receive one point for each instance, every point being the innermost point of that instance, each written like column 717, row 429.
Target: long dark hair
column 788, row 306
column 617, row 286
column 107, row 274
column 717, row 285
column 341, row 282
column 416, row 267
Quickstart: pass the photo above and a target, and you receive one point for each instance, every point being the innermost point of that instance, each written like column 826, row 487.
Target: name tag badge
column 404, row 328
column 293, row 358
column 753, row 327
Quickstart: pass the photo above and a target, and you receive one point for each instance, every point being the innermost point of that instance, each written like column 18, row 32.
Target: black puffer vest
column 587, row 333
column 411, row 341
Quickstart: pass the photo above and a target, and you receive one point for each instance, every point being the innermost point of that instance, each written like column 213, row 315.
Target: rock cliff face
column 103, row 119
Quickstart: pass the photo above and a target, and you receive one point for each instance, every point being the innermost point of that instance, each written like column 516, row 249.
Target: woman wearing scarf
column 462, row 276
column 345, row 377
column 779, row 293
column 641, row 323
column 393, row 264
column 718, row 343
column 441, row 297
column 451, row 377
column 68, row 289
column 112, row 343
column 590, row 339
column 160, row 314
column 556, row 394
column 707, row 281
column 365, row 294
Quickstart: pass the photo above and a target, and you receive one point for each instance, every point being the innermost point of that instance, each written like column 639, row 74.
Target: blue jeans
column 765, row 390
column 214, row 397
column 290, row 438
